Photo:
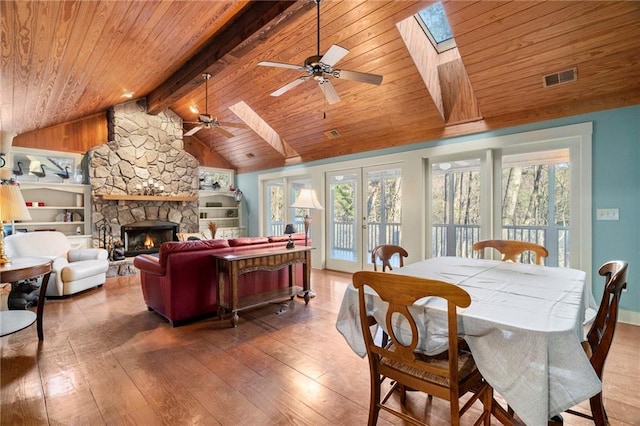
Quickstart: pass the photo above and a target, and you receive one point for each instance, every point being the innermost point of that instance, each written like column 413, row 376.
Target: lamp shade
column 12, row 206
column 290, row 229
column 307, row 199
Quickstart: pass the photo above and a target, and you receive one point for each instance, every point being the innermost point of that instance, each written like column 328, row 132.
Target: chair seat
column 466, row 367
column 83, row 269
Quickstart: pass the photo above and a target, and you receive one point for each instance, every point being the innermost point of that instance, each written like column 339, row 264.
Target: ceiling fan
column 320, row 67
column 206, row 121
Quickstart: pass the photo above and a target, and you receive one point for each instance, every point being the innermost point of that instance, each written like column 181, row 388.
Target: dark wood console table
column 234, row 265
column 24, row 268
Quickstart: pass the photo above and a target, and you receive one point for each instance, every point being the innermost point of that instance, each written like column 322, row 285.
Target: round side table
column 23, row 268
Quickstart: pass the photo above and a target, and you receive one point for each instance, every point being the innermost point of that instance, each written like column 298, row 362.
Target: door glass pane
column 535, row 202
column 274, row 201
column 342, row 217
column 455, row 207
column 297, row 215
column 383, row 206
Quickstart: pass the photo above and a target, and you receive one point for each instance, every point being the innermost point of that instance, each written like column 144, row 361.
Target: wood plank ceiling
column 64, row 60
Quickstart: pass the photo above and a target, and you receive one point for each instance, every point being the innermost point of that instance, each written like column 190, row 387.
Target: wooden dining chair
column 600, row 334
column 446, row 377
column 384, row 252
column 511, row 250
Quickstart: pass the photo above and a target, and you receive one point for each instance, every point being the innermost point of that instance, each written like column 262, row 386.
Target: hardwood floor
column 106, row 360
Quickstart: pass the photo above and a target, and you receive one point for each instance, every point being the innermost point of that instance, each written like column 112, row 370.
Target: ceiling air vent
column 560, row 77
column 332, row 134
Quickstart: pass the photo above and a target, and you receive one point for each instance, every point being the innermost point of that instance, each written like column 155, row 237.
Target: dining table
column 524, row 328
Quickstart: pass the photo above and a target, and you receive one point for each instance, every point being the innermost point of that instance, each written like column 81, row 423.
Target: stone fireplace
column 143, row 150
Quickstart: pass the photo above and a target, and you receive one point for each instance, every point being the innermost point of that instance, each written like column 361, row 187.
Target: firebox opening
column 145, row 237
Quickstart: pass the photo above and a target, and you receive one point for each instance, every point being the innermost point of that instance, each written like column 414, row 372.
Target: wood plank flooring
column 106, row 360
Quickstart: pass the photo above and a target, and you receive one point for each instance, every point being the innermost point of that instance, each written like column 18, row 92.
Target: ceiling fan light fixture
column 206, row 120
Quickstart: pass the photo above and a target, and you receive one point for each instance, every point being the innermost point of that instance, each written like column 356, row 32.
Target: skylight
column 434, row 23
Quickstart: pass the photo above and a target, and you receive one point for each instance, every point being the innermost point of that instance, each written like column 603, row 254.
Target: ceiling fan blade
column 329, row 91
column 333, row 55
column 281, row 65
column 193, row 131
column 229, row 124
column 358, row 76
column 289, row 86
column 223, row 131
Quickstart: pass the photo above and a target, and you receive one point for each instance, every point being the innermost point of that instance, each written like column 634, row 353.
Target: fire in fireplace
column 145, row 237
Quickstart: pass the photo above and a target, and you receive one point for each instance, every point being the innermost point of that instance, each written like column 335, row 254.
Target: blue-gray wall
column 616, row 184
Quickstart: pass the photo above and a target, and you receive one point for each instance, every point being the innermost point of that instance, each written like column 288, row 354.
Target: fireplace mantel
column 129, row 197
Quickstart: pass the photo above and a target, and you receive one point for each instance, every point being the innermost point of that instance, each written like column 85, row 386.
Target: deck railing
column 457, row 240
column 446, row 240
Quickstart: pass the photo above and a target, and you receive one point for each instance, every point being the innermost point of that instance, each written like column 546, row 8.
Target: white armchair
column 74, row 270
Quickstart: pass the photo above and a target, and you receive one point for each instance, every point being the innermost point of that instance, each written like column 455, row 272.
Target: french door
column 363, row 210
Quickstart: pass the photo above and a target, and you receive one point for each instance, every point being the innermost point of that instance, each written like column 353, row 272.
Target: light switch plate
column 607, row 214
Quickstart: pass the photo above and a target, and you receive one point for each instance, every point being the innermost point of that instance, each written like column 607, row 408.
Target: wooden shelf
column 128, row 197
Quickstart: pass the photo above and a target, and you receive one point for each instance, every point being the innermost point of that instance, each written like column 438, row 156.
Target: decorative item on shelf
column 12, row 207
column 215, row 185
column 214, row 204
column 238, row 195
column 308, row 200
column 290, row 229
column 149, row 187
column 213, row 227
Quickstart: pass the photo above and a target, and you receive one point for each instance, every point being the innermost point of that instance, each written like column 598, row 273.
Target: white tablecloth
column 524, row 328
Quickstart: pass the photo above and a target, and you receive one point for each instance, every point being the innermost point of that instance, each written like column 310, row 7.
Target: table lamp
column 307, row 199
column 12, row 207
column 290, row 229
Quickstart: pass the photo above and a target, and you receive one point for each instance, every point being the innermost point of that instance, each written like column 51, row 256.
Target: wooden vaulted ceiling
column 65, row 60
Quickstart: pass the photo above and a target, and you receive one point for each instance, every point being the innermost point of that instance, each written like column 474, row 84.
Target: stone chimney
column 142, row 147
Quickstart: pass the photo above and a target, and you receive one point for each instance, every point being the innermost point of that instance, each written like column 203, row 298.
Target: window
column 434, row 22
column 274, row 207
column 536, row 201
column 530, row 186
column 455, row 207
column 279, row 195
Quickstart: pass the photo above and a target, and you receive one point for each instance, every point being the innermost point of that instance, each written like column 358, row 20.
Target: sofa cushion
column 280, row 238
column 86, row 268
column 246, row 241
column 175, row 247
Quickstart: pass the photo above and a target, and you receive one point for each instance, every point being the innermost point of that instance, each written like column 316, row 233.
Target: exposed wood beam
column 239, row 36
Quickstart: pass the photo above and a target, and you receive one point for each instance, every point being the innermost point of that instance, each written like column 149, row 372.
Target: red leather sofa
column 181, row 282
